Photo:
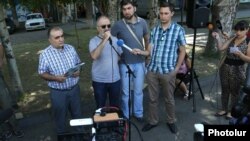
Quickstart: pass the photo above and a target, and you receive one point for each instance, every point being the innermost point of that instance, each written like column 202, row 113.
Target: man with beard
column 134, row 31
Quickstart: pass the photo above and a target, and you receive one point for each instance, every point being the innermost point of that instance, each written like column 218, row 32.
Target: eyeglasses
column 104, row 26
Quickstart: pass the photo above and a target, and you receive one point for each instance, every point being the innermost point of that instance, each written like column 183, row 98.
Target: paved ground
column 39, row 126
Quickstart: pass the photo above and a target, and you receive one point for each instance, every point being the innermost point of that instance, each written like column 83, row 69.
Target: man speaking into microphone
column 105, row 70
column 132, row 30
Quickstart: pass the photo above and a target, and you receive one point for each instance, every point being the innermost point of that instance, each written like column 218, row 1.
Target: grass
column 36, row 97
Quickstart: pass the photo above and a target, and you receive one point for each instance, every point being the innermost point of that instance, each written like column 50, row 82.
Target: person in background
column 6, row 101
column 166, row 40
column 105, row 69
column 134, row 31
column 54, row 62
column 232, row 71
column 183, row 76
column 248, row 34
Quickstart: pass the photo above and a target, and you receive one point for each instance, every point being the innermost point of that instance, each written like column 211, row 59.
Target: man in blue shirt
column 139, row 28
column 54, row 62
column 165, row 39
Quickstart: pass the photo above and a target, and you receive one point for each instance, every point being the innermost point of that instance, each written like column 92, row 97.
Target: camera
column 241, row 111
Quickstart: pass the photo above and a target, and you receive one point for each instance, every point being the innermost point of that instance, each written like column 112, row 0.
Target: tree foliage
column 36, row 4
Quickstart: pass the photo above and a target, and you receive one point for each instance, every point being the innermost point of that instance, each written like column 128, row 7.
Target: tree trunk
column 225, row 12
column 14, row 74
column 14, row 14
column 89, row 10
column 53, row 12
column 64, row 14
column 153, row 13
column 112, row 11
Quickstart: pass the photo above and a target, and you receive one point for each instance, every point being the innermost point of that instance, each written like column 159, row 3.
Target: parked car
column 10, row 25
column 35, row 21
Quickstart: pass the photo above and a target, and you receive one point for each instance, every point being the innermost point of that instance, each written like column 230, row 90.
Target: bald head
column 103, row 24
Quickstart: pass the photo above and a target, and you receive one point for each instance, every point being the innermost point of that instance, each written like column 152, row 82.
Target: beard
column 129, row 17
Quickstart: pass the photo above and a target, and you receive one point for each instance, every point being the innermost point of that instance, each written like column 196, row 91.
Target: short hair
column 125, row 2
column 167, row 4
column 53, row 28
column 241, row 25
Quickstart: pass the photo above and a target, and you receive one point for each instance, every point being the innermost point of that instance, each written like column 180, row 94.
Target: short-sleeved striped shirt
column 165, row 44
column 58, row 62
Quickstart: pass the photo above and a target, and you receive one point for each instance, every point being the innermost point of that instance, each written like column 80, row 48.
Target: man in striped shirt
column 165, row 39
column 54, row 62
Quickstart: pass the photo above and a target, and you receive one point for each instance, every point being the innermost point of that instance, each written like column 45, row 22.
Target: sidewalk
column 40, row 127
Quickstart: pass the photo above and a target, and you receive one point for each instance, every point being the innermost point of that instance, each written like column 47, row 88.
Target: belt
column 233, row 62
column 66, row 89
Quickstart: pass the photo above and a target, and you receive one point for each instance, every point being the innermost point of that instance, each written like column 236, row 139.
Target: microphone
column 110, row 40
column 120, row 42
column 218, row 24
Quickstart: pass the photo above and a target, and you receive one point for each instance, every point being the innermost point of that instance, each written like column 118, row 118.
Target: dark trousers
column 64, row 101
column 104, row 90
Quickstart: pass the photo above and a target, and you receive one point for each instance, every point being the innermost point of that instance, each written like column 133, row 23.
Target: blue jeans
column 138, row 83
column 104, row 90
column 64, row 101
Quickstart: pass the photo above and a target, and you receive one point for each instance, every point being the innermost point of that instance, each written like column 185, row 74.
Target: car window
column 34, row 17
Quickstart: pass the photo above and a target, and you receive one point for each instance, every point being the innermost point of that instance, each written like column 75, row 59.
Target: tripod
column 193, row 75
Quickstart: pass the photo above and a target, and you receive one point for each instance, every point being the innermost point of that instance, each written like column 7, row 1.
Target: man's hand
column 215, row 35
column 136, row 51
column 76, row 74
column 60, row 78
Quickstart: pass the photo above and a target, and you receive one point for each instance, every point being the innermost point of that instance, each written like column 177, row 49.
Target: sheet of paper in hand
column 71, row 71
column 234, row 49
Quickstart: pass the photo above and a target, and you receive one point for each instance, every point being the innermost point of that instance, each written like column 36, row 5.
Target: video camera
column 241, row 111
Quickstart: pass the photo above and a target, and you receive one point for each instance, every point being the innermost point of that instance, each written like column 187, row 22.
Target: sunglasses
column 104, row 26
column 163, row 36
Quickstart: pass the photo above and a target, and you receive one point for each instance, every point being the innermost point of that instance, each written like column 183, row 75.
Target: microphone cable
column 112, row 61
column 137, row 129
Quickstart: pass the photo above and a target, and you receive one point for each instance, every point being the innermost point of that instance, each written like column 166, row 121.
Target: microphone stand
column 130, row 72
column 193, row 75
column 182, row 2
